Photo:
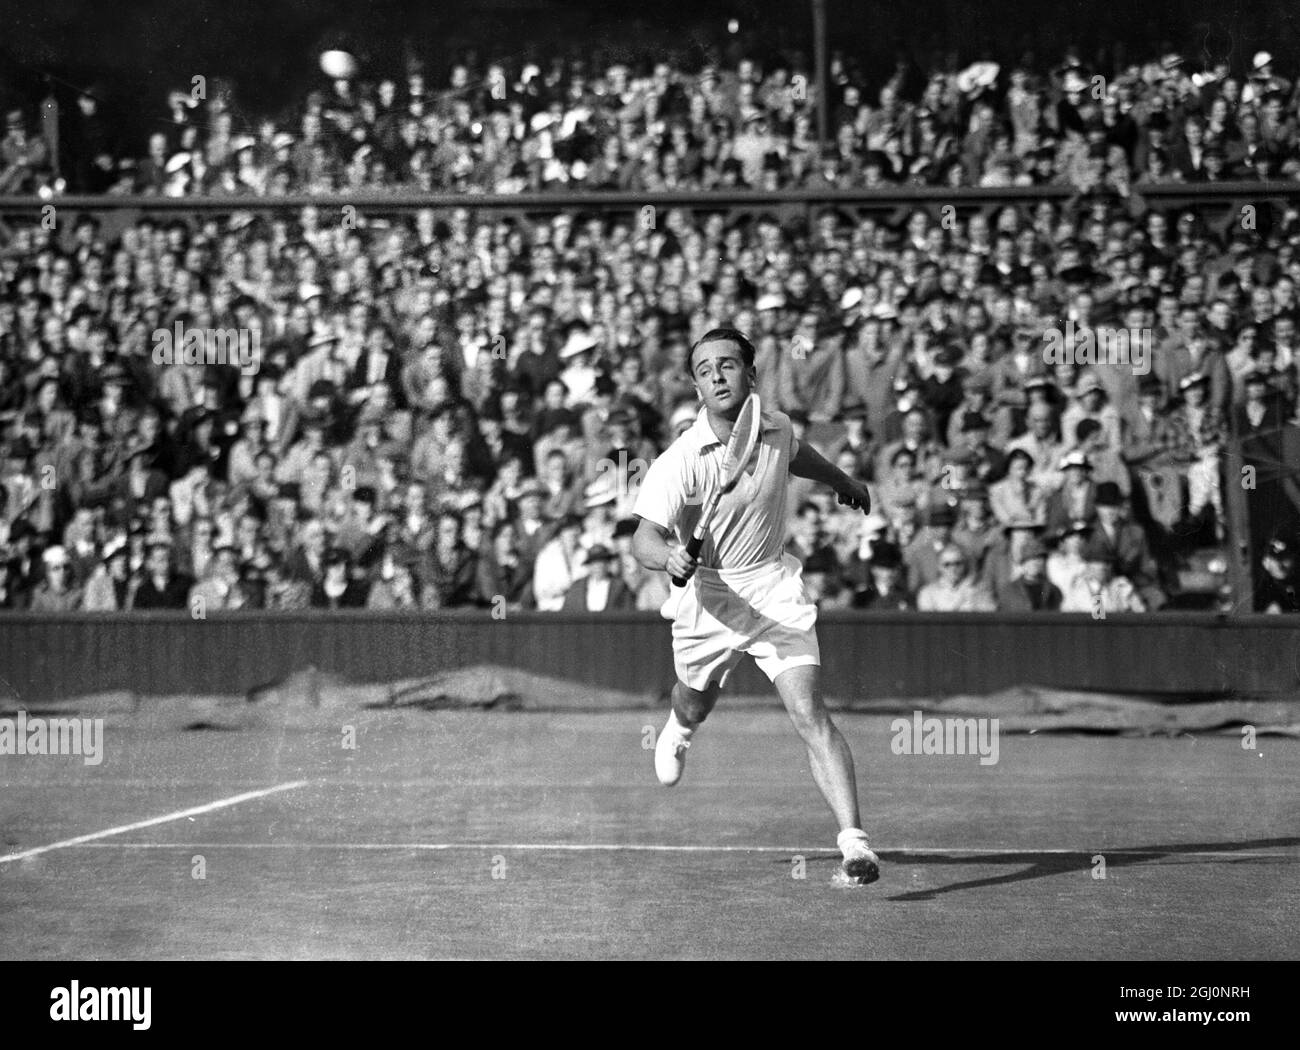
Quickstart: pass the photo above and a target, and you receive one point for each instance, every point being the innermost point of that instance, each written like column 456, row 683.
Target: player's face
column 721, row 377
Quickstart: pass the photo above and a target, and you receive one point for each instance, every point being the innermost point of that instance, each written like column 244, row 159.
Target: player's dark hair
column 714, row 335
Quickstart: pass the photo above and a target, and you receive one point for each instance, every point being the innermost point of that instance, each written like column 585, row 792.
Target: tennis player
column 744, row 594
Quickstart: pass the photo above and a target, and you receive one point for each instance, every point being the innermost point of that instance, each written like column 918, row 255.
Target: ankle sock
column 848, row 837
column 675, row 726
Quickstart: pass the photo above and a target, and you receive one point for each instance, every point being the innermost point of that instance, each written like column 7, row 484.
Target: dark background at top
column 135, row 51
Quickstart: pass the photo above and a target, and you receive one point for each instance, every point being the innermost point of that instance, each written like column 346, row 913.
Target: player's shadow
column 1043, row 865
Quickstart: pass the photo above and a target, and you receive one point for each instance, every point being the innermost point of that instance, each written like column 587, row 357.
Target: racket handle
column 693, row 546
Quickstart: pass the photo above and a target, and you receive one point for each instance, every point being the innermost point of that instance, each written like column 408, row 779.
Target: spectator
column 1066, row 563
column 1098, row 590
column 339, row 589
column 448, row 571
column 504, row 574
column 24, row 158
column 1280, row 589
column 923, row 556
column 1030, row 589
column 955, row 589
column 1075, row 499
column 884, row 591
column 160, row 586
column 58, row 592
column 600, row 589
column 559, row 565
column 1128, row 543
column 395, row 589
column 1018, row 499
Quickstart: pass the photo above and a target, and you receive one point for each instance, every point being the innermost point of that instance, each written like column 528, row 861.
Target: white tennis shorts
column 720, row 616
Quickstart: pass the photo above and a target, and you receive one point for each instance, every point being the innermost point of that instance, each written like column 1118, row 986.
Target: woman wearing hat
column 1066, row 562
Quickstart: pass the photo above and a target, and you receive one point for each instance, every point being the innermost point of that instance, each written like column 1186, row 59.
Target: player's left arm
column 807, row 462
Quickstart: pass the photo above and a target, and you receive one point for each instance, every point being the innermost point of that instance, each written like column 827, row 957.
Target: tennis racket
column 740, row 446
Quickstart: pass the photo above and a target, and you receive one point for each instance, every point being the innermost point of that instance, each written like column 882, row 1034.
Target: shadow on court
column 498, row 835
column 1045, row 864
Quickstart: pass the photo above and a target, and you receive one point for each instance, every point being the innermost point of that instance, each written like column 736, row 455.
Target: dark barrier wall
column 864, row 655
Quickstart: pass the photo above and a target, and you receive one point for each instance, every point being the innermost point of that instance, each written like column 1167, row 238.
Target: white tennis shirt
column 748, row 527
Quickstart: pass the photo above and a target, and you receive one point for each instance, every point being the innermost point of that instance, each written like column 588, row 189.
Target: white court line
column 194, row 811
column 636, row 847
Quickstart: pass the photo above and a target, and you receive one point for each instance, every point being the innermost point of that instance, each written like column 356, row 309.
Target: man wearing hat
column 1197, row 444
column 1147, row 452
column 977, row 531
column 24, row 158
column 1091, row 401
column 916, row 437
column 534, row 531
column 943, row 389
column 885, row 590
column 1098, row 589
column 1041, row 442
column 977, row 392
column 989, row 462
column 160, row 586
column 601, row 588
column 650, row 589
column 872, row 363
column 339, row 589
column 58, row 591
column 857, row 440
column 1199, row 352
column 1263, row 80
column 1127, row 541
column 1030, row 589
column 1002, row 561
column 921, row 555
column 958, row 475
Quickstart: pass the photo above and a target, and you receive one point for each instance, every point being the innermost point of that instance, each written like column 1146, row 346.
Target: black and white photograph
column 559, row 480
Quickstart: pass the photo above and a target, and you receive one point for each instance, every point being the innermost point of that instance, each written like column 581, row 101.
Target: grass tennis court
column 512, row 835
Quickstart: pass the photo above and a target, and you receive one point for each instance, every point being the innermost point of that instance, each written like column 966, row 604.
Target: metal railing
column 1224, row 195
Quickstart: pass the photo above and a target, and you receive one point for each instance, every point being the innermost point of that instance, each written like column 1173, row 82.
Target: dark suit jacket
column 620, row 596
column 392, row 377
column 1021, row 596
column 174, row 595
column 1058, row 514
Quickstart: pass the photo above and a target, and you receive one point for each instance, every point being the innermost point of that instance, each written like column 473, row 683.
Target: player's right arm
column 655, row 548
column 659, row 502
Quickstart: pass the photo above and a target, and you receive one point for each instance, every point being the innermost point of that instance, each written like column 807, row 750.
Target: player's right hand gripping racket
column 740, row 446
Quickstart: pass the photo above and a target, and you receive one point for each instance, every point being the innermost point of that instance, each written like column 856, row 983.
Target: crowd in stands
column 654, row 127
column 454, row 409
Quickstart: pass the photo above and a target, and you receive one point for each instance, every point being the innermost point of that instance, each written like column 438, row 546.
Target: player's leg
column 832, row 765
column 704, row 654
column 828, row 751
column 690, row 708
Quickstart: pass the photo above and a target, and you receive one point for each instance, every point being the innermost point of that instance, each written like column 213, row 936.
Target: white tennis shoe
column 670, row 754
column 860, row 866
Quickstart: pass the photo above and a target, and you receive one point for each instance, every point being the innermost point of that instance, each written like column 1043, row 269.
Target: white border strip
column 634, row 847
column 81, row 840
